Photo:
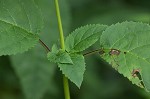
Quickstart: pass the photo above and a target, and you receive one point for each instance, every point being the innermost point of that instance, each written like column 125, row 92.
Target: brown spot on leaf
column 135, row 72
column 114, row 52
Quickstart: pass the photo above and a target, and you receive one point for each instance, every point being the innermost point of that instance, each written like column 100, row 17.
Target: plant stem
column 44, row 45
column 60, row 25
column 65, row 80
column 66, row 88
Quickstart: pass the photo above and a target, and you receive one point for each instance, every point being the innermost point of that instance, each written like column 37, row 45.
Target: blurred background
column 101, row 81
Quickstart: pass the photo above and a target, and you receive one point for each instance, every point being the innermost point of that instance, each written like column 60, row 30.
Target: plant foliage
column 126, row 46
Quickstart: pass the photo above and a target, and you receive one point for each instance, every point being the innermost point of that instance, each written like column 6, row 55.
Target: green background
column 101, row 81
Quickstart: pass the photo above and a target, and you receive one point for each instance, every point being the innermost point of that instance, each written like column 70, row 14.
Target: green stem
column 60, row 25
column 66, row 88
column 65, row 80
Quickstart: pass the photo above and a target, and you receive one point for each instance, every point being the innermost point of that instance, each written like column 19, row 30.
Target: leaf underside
column 132, row 40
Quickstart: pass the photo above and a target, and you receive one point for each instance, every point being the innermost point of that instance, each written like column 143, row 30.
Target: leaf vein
column 15, row 26
column 119, row 40
column 138, row 47
column 21, row 3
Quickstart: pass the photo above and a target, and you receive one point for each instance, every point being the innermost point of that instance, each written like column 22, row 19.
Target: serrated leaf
column 55, row 48
column 74, row 71
column 131, row 40
column 19, row 26
column 59, row 56
column 35, row 72
column 83, row 37
column 64, row 57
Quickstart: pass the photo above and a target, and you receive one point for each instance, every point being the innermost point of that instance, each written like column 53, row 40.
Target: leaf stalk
column 44, row 46
column 100, row 51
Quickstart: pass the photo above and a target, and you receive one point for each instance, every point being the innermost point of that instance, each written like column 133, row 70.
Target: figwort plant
column 126, row 46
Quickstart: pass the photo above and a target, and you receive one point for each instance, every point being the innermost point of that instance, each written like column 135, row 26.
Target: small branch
column 44, row 45
column 93, row 52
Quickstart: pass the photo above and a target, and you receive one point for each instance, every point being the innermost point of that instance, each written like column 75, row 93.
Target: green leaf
column 59, row 56
column 74, row 71
column 35, row 72
column 19, row 26
column 55, row 48
column 127, row 48
column 83, row 37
